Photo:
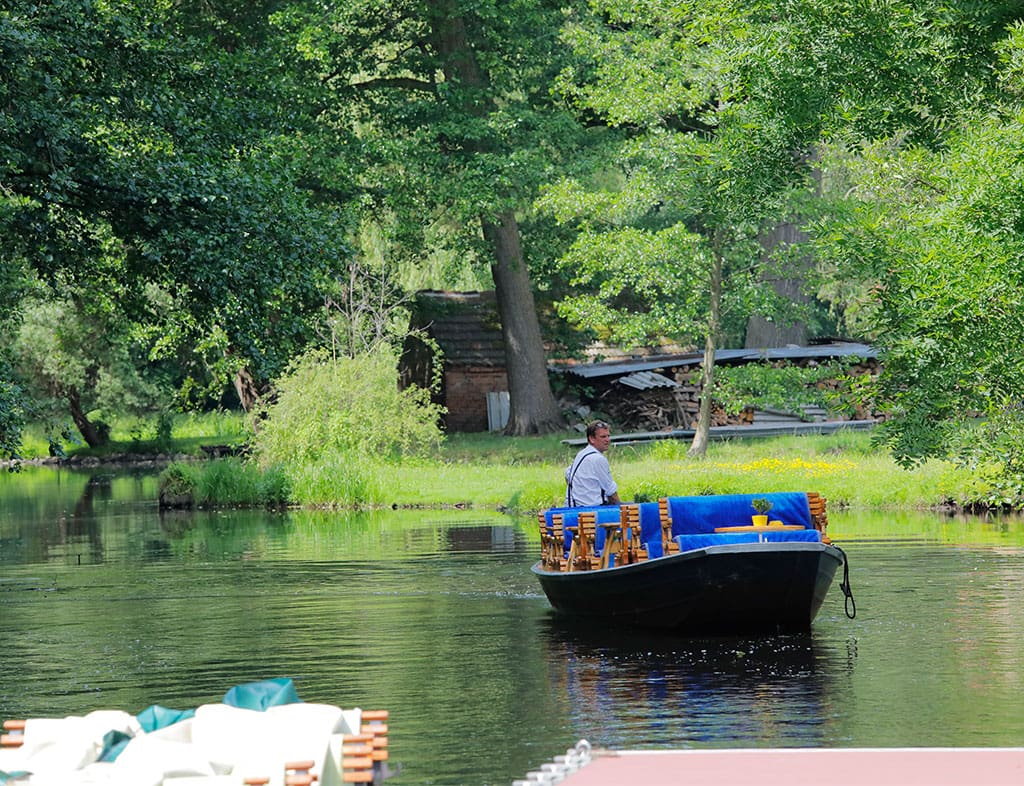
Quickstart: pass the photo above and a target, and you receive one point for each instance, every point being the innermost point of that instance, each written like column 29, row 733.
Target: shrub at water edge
column 336, row 422
column 228, row 481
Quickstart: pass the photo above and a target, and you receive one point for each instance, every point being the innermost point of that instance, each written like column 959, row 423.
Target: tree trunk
column 246, row 388
column 91, row 433
column 532, row 407
column 699, row 446
column 789, row 285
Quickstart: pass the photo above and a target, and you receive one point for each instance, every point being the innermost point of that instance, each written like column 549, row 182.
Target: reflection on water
column 434, row 615
column 656, row 690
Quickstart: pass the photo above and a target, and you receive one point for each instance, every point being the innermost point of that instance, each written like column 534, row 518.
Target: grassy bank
column 526, row 473
column 189, row 432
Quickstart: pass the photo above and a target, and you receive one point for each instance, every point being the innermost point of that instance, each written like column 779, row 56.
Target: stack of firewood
column 666, row 408
column 661, row 409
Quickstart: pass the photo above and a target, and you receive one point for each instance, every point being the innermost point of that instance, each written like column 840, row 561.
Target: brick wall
column 466, row 392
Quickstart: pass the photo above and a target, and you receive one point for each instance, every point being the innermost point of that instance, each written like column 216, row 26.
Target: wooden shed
column 459, row 334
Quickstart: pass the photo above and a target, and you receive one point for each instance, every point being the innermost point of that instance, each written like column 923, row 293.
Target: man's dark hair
column 593, row 427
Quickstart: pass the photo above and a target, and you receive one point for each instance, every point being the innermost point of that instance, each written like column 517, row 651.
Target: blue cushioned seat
column 701, row 541
column 696, row 515
column 570, row 518
column 650, row 529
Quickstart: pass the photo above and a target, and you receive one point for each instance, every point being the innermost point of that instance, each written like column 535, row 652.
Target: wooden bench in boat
column 575, row 539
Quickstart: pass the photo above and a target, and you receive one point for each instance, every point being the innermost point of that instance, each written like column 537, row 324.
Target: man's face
column 602, row 439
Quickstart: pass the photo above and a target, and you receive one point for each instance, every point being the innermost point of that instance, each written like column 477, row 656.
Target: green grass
column 139, row 435
column 491, row 447
column 226, row 482
column 844, row 467
column 526, row 473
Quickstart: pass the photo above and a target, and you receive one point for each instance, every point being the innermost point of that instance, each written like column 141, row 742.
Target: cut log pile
column 661, row 409
column 665, row 408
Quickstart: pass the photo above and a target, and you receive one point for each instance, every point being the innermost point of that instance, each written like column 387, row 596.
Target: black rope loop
column 849, row 604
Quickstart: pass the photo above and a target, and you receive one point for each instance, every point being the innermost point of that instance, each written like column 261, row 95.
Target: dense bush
column 12, row 416
column 227, row 481
column 329, row 407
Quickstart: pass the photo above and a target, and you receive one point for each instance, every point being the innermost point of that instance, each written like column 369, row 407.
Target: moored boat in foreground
column 692, row 564
column 261, row 734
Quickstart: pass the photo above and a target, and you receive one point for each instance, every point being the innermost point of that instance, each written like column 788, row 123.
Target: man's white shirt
column 588, row 480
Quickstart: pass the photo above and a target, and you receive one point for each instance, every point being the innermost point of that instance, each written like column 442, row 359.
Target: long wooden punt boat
column 692, row 564
column 261, row 734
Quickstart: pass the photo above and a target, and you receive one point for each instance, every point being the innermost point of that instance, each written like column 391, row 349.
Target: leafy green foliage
column 787, row 388
column 723, row 121
column 994, row 450
column 345, row 407
column 456, row 127
column 160, row 176
column 87, row 361
column 937, row 236
column 435, row 136
column 12, row 415
column 727, row 103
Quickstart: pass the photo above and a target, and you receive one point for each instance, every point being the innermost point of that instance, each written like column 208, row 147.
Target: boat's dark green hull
column 730, row 588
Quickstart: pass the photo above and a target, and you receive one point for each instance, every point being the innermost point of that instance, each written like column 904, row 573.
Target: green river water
column 435, row 616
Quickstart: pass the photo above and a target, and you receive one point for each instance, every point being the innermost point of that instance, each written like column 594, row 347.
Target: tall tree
column 938, row 235
column 723, row 127
column 85, row 364
column 728, row 103
column 151, row 174
column 458, row 127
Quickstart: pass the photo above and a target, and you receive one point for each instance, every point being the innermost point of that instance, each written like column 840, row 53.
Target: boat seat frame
column 626, row 544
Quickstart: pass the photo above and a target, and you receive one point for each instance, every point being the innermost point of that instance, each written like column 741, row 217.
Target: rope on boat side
column 849, row 605
column 559, row 769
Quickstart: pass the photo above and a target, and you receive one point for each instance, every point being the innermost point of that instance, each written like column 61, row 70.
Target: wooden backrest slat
column 819, row 514
column 357, row 776
column 586, row 521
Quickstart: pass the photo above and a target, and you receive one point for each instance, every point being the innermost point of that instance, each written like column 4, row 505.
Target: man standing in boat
column 588, row 480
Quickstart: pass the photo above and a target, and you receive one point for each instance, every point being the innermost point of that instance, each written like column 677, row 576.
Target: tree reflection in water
column 653, row 689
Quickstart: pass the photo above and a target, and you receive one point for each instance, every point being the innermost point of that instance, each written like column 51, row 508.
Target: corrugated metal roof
column 723, row 356
column 646, row 380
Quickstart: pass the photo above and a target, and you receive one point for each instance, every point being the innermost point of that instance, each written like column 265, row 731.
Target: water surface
column 434, row 615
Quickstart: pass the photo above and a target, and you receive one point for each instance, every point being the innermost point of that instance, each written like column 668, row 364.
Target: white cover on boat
column 61, row 745
column 155, row 759
column 250, row 743
column 220, row 746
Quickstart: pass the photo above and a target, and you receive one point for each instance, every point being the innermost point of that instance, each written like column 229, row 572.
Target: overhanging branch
column 398, row 82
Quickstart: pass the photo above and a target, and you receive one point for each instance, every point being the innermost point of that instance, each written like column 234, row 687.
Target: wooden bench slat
column 357, row 776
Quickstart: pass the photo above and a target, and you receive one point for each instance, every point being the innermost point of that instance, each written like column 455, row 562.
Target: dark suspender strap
column 572, row 474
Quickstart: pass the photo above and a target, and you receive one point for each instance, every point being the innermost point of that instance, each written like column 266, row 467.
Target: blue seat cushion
column 691, row 542
column 696, row 515
column 650, row 522
column 606, row 514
